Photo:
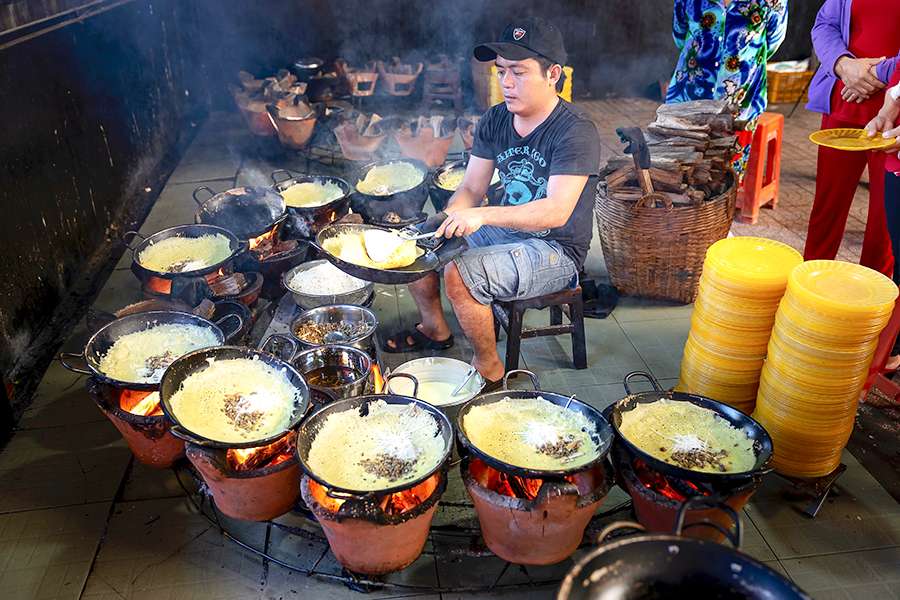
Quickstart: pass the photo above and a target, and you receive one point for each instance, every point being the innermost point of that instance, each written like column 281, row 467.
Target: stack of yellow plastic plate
column 743, row 281
column 825, row 335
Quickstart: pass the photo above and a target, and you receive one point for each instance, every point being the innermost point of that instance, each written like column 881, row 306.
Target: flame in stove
column 377, row 379
column 158, row 285
column 141, row 403
column 504, row 483
column 266, row 239
column 659, row 483
column 248, row 459
column 392, row 504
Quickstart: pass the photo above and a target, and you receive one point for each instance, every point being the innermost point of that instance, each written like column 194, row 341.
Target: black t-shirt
column 566, row 143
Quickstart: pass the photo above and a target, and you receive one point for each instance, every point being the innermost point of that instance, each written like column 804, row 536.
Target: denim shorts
column 503, row 264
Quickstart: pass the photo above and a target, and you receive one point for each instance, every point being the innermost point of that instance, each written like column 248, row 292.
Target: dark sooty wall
column 91, row 113
column 617, row 46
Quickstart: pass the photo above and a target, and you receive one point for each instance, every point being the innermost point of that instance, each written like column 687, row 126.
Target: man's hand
column 858, row 75
column 461, row 222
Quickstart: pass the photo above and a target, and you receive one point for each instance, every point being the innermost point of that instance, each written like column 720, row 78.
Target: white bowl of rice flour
column 318, row 283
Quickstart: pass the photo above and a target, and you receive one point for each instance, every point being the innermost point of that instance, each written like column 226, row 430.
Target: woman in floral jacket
column 725, row 45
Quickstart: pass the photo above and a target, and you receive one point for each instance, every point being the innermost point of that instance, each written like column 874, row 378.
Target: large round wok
column 311, row 426
column 248, row 212
column 663, row 566
column 186, row 231
column 390, row 208
column 601, row 434
column 307, row 221
column 197, row 361
column 762, row 443
column 431, row 260
column 100, row 343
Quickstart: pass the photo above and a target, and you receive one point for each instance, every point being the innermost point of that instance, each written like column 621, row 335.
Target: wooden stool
column 511, row 315
column 760, row 185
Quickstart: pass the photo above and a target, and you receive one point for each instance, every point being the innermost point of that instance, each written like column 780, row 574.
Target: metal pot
column 439, row 369
column 330, row 314
column 308, row 221
column 248, row 212
column 391, row 208
column 185, row 231
column 601, row 434
column 307, row 301
column 651, row 566
column 311, row 426
column 441, row 196
column 100, row 343
column 336, row 356
column 197, row 361
column 762, row 442
column 307, row 67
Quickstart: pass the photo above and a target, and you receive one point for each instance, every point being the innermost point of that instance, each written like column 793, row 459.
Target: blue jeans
column 504, row 264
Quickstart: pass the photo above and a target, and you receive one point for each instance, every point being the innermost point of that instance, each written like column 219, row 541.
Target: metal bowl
column 307, row 301
column 336, row 356
column 438, row 369
column 336, row 313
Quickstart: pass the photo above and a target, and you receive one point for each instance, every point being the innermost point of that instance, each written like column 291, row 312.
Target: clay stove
column 377, row 533
column 533, row 521
column 252, row 484
column 657, row 497
column 139, row 418
column 270, row 255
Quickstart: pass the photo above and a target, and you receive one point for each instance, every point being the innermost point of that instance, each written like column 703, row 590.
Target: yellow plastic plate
column 851, row 140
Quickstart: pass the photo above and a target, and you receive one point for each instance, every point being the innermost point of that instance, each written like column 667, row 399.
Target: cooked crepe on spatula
column 388, row 249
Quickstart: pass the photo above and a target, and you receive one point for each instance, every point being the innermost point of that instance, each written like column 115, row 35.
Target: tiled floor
column 78, row 518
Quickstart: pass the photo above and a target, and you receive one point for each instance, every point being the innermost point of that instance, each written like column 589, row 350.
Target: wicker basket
column 785, row 87
column 658, row 252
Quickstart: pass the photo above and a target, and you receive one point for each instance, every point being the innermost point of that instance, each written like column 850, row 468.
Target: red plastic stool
column 760, row 185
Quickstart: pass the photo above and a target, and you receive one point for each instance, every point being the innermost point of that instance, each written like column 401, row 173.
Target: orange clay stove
column 533, row 521
column 252, row 484
column 139, row 418
column 377, row 533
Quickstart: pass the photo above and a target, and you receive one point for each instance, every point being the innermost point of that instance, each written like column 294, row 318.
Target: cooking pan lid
column 762, row 442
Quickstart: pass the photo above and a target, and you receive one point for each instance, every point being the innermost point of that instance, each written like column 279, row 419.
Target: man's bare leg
column 477, row 322
column 427, row 294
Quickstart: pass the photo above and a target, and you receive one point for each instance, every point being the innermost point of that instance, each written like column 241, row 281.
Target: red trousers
column 837, row 176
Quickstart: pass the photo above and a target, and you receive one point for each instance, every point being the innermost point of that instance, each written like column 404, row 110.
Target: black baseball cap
column 525, row 38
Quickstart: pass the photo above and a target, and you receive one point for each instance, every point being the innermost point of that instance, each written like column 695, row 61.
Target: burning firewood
column 248, row 459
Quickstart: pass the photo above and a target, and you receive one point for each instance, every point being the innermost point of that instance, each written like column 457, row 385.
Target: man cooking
column 534, row 241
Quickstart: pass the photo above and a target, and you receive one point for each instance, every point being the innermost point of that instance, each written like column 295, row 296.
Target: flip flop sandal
column 420, row 342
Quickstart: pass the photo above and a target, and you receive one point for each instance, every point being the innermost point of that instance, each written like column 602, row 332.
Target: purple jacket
column 830, row 37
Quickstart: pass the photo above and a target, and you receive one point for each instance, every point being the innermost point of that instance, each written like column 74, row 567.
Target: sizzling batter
column 389, row 179
column 235, row 400
column 180, row 254
column 351, row 247
column 688, row 436
column 392, row 445
column 531, row 433
column 143, row 356
column 310, row 194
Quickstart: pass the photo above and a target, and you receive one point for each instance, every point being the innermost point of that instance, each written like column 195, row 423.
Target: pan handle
column 415, row 381
column 535, row 382
column 128, row 239
column 284, row 339
column 272, row 113
column 184, row 436
column 235, row 330
column 618, row 526
column 733, row 535
column 275, row 180
column 641, row 375
column 64, row 357
column 202, row 188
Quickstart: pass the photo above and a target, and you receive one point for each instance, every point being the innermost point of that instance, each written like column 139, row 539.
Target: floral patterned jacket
column 724, row 51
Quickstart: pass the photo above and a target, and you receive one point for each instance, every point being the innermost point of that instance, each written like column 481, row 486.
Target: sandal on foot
column 420, row 341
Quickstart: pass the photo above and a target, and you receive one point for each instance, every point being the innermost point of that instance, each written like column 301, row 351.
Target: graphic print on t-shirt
column 518, row 177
